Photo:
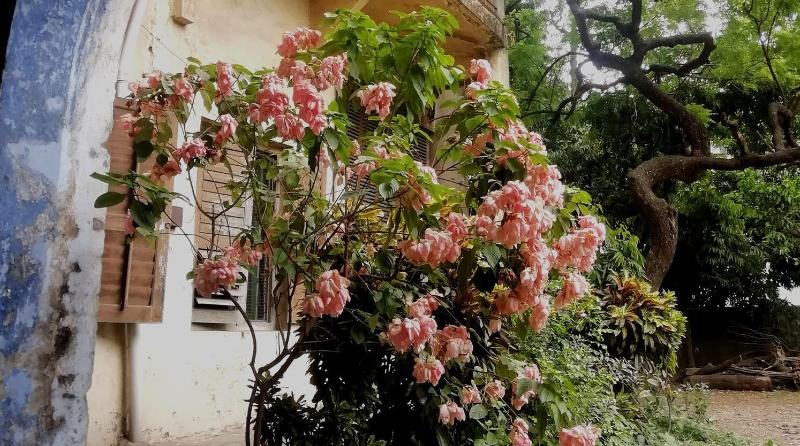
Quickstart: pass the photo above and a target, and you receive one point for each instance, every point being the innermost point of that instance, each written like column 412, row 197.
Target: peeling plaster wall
column 52, row 130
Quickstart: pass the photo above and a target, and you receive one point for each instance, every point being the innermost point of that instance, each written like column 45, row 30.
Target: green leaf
column 109, row 199
column 388, row 189
column 492, row 253
column 478, row 411
column 143, row 150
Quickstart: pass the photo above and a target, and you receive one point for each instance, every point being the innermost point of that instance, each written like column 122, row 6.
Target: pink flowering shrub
column 404, row 289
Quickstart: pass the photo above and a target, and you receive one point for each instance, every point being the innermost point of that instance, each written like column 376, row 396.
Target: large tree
column 653, row 61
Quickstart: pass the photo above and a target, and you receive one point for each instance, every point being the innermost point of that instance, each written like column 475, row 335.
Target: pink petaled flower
column 377, row 98
column 519, row 433
column 319, row 124
column 183, row 88
column 579, row 247
column 289, row 126
column 575, row 287
column 301, row 73
column 127, row 223
column 539, row 315
column 210, row 275
column 507, row 302
column 288, row 46
column 457, row 226
column 470, row 395
column 307, row 38
column 428, row 370
column 364, row 169
column 194, row 148
column 332, row 293
column 452, row 342
column 271, row 101
column 308, row 101
column 402, row 333
column 530, row 372
column 227, row 128
column 495, row 324
column 128, row 123
column 480, row 70
column 590, row 223
column 244, row 252
column 284, row 69
column 450, row 413
column 495, row 390
column 581, row 435
column 331, row 72
column 435, row 248
column 224, row 82
column 134, row 87
column 153, row 79
column 530, row 287
column 545, row 182
column 424, row 306
column 159, row 173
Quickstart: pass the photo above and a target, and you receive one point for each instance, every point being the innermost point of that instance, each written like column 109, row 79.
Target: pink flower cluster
column 331, row 295
column 414, row 332
column 451, row 412
column 160, row 174
column 301, row 39
column 530, row 372
column 452, row 343
column 457, row 226
column 575, row 287
column 227, row 128
column 377, row 98
column 545, row 182
column 331, row 72
column 224, row 82
column 578, row 249
column 481, row 72
column 417, row 329
column 210, row 275
column 581, row 435
column 539, row 315
column 428, row 370
column 519, row 433
column 193, row 148
column 244, row 253
column 271, row 101
column 433, row 249
column 470, row 395
column 510, row 216
column 183, row 88
column 495, row 390
column 128, row 123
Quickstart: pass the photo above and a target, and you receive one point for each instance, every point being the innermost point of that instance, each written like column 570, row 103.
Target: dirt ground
column 759, row 416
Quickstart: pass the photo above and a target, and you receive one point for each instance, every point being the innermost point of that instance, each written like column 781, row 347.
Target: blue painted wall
column 45, row 43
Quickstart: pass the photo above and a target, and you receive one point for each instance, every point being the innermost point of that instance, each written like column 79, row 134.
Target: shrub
column 641, row 324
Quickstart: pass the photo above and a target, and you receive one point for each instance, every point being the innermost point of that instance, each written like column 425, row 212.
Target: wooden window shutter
column 132, row 280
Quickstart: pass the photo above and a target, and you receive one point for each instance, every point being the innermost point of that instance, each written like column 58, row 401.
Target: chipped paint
column 49, row 122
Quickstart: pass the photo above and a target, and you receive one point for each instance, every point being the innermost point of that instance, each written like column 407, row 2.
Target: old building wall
column 179, row 380
column 61, row 63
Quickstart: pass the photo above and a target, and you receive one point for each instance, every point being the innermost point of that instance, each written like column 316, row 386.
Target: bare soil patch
column 758, row 416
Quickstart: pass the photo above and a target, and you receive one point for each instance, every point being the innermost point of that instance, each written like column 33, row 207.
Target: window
column 260, row 305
